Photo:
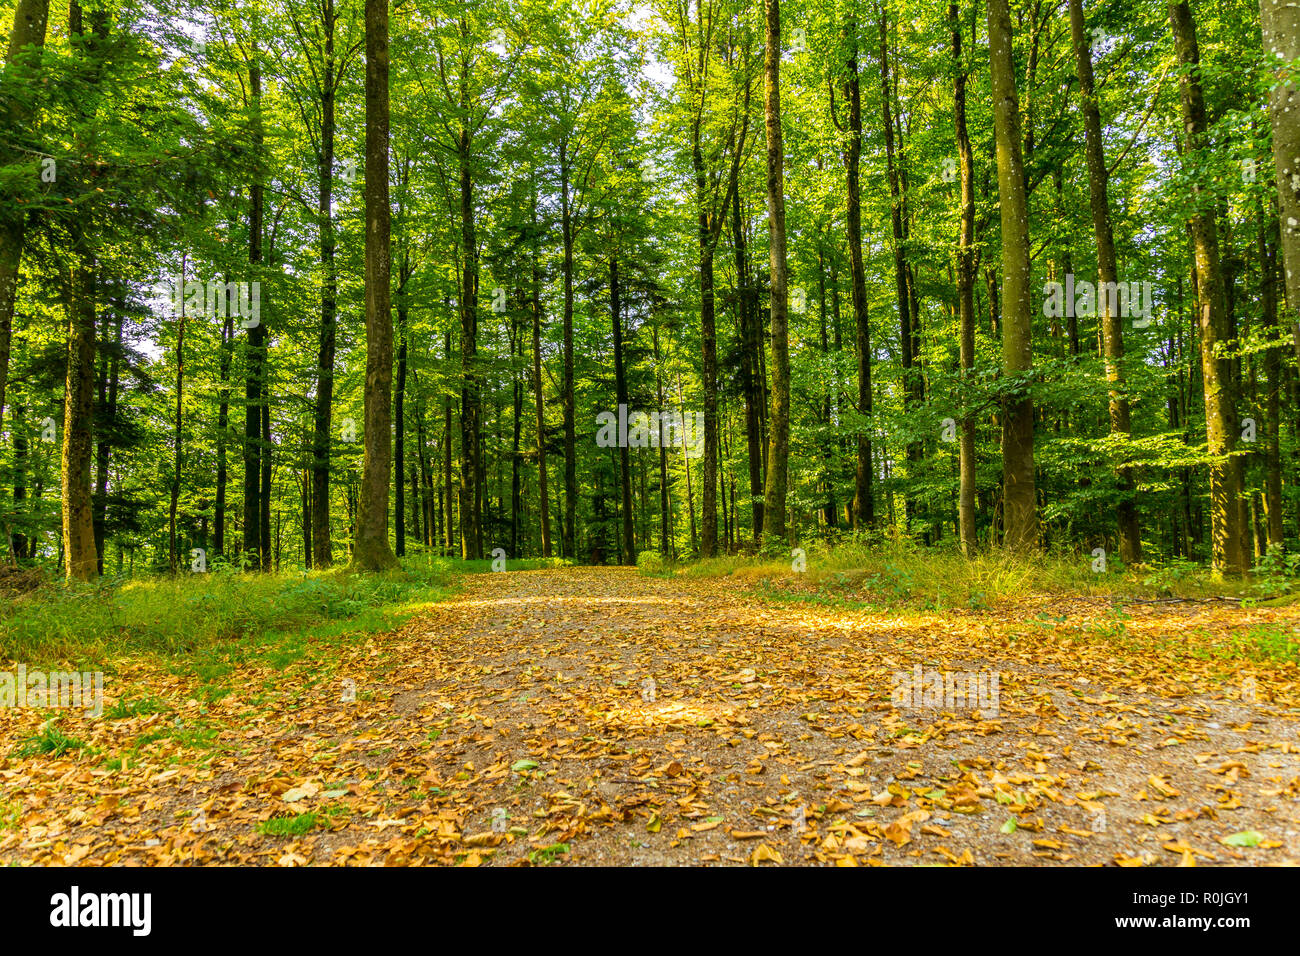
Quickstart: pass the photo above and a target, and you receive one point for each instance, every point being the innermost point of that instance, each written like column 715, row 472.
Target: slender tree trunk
column 104, row 441
column 267, row 460
column 1216, row 376
column 223, row 425
column 26, row 41
column 627, row 553
column 750, row 347
column 1112, row 325
column 371, row 550
column 517, row 414
column 966, row 266
column 304, row 479
column 80, row 557
column 665, row 515
column 708, row 340
column 1268, row 232
column 779, row 445
column 399, row 413
column 322, row 425
column 864, row 509
column 253, row 404
column 568, row 546
column 177, row 432
column 1019, row 505
column 471, row 536
column 912, row 384
column 544, row 501
column 448, row 525
column 1280, row 23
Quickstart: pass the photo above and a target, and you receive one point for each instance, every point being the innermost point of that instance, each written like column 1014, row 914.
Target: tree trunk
column 256, row 339
column 81, row 559
column 399, row 414
column 177, row 433
column 1019, row 506
column 1280, row 24
column 1220, row 424
column 966, row 266
column 912, row 385
column 779, row 443
column 709, row 345
column 223, row 424
column 568, row 546
column 750, row 347
column 371, row 550
column 471, row 536
column 1112, row 325
column 108, row 415
column 30, row 18
column 544, row 501
column 321, row 542
column 628, row 549
column 1268, row 232
column 864, row 509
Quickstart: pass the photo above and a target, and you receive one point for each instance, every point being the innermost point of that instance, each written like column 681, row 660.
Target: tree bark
column 1112, row 325
column 471, row 533
column 1019, row 505
column 80, row 557
column 750, row 347
column 864, row 510
column 966, row 267
column 26, row 42
column 322, row 425
column 1227, row 539
column 544, row 502
column 253, row 403
column 1216, row 375
column 371, row 550
column 774, row 511
column 628, row 549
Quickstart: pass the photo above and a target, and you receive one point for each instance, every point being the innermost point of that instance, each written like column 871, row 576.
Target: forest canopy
column 292, row 284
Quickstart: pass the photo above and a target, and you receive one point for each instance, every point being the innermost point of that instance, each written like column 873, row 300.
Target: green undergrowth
column 212, row 621
column 862, row 574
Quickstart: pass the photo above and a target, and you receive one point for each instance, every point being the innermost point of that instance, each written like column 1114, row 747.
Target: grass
column 10, row 811
column 50, row 741
column 866, row 574
column 213, row 620
column 299, row 825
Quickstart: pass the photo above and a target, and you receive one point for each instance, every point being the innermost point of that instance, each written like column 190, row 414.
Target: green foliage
column 199, row 613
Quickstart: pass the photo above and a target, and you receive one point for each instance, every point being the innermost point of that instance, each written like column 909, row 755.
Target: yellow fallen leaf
column 764, row 854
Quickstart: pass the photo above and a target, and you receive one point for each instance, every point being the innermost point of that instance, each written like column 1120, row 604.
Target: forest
column 293, row 285
column 680, row 432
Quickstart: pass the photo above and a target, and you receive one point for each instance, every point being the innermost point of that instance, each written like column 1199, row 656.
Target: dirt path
column 517, row 722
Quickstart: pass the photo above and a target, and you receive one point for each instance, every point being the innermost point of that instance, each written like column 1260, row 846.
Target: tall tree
column 22, row 66
column 778, row 458
column 1019, row 505
column 1112, row 325
column 864, row 513
column 1228, row 540
column 967, row 266
column 371, row 550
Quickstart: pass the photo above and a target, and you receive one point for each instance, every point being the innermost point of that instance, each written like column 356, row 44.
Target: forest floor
column 515, row 723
